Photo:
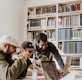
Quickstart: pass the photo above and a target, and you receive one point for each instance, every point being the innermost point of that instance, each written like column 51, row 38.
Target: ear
column 5, row 45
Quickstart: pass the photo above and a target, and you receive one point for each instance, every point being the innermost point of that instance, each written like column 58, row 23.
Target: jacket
column 8, row 71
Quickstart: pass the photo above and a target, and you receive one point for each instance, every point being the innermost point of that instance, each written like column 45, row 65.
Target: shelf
column 39, row 29
column 73, row 55
column 71, row 13
column 71, row 2
column 72, row 27
column 76, row 69
column 39, row 16
column 69, row 40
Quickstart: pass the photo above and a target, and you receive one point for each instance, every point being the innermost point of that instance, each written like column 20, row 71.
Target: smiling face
column 42, row 45
column 29, row 53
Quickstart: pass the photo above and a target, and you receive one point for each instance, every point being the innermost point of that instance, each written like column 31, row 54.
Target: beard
column 8, row 58
column 7, row 55
column 42, row 50
column 7, row 50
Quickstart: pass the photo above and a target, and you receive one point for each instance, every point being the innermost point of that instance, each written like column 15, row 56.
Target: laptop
column 50, row 70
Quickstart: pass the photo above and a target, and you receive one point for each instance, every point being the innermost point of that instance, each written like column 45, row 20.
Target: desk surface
column 71, row 76
column 30, row 78
column 74, row 75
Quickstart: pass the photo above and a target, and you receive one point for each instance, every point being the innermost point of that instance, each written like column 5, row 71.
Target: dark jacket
column 51, row 48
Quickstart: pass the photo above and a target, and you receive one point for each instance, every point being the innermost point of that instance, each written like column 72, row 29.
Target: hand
column 60, row 71
column 38, row 62
column 23, row 55
column 26, row 54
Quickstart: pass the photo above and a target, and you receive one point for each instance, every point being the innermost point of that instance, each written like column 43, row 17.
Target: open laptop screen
column 50, row 70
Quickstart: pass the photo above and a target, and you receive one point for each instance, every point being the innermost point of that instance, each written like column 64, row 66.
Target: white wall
column 43, row 2
column 12, row 18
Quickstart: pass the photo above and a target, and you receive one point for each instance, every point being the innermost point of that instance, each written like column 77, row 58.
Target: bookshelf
column 62, row 22
column 42, row 19
column 70, row 27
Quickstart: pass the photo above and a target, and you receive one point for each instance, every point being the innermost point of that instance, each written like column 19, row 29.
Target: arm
column 11, row 72
column 56, row 55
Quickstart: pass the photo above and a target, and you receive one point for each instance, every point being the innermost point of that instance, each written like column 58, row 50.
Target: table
column 30, row 78
column 74, row 75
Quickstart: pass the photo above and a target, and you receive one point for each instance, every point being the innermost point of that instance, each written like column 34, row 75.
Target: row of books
column 42, row 10
column 31, row 11
column 69, row 34
column 77, row 34
column 50, row 34
column 48, row 9
column 52, row 9
column 75, row 61
column 69, row 21
column 43, row 23
column 70, row 7
column 35, row 23
column 62, row 21
column 72, row 47
column 51, row 22
column 64, row 34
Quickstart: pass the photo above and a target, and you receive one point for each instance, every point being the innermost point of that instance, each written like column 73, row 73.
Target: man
column 10, row 70
column 46, row 50
column 28, row 49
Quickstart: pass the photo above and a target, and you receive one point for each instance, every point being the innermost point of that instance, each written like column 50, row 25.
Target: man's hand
column 60, row 71
column 38, row 62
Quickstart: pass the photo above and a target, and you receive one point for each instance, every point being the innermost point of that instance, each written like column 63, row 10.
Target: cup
column 34, row 74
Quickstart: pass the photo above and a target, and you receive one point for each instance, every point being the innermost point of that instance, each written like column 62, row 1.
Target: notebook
column 50, row 70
